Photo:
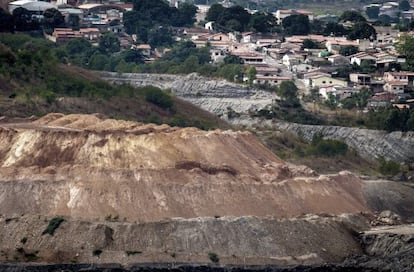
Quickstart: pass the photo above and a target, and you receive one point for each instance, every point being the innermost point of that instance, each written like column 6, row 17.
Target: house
column 34, row 7
column 250, row 58
column 399, row 76
column 385, row 35
column 217, row 55
column 266, row 70
column 360, row 57
column 90, row 33
column 381, row 100
column 301, row 68
column 360, row 79
column 396, row 87
column 63, row 35
column 292, row 59
column 145, row 49
column 270, row 80
column 334, row 45
column 384, row 60
column 318, row 79
column 283, row 13
column 337, row 91
column 338, row 60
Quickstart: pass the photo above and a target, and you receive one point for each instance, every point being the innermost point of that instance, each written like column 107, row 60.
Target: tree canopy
column 150, row 20
column 296, row 24
column 352, row 16
column 362, row 30
column 404, row 5
column 236, row 18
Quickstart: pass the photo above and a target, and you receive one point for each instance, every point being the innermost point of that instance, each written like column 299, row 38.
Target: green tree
column 410, row 121
column 331, row 102
column 405, row 46
column 392, row 120
column 362, row 30
column 191, row 64
column 262, row 22
column 251, row 74
column 232, row 59
column 6, row 21
column 404, row 5
column 335, row 29
column 98, row 61
column 384, row 19
column 73, row 21
column 160, row 36
column 185, row 15
column 309, row 44
column 214, row 12
column 289, row 93
column 234, row 18
column 109, row 43
column 352, row 16
column 52, row 18
column 23, row 20
column 348, row 50
column 372, row 12
column 134, row 56
column 296, row 24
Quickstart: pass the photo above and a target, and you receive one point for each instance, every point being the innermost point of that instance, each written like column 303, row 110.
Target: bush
column 53, row 225
column 158, row 97
column 389, row 168
column 328, row 148
column 213, row 257
column 97, row 252
column 132, row 252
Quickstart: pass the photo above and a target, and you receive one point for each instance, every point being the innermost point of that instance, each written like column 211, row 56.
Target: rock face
column 219, row 96
column 370, row 144
column 173, row 192
column 264, row 240
column 216, row 96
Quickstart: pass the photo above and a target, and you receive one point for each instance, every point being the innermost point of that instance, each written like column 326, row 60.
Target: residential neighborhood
column 334, row 64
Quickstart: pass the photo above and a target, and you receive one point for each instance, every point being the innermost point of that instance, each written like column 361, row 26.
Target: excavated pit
column 176, row 194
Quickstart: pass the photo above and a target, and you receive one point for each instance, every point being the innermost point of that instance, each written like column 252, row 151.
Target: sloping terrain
column 97, row 167
column 131, row 192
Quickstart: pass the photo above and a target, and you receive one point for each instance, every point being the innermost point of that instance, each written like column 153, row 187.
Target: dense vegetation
column 32, row 81
column 151, row 20
column 236, row 18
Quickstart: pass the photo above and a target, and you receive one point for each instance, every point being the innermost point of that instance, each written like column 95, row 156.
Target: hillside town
column 333, row 64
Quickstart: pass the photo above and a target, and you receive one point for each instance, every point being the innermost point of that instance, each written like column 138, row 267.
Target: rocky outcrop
column 214, row 95
column 220, row 96
column 370, row 144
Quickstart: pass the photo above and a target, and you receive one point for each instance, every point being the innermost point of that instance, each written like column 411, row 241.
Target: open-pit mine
column 83, row 189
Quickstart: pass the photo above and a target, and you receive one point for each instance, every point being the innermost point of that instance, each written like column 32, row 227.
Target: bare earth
column 176, row 194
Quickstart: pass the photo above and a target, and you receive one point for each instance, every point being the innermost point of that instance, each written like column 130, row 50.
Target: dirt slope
column 87, row 167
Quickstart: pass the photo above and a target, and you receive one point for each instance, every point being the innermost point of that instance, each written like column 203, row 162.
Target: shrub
column 158, row 97
column 97, row 252
column 132, row 252
column 328, row 148
column 54, row 223
column 389, row 168
column 213, row 257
